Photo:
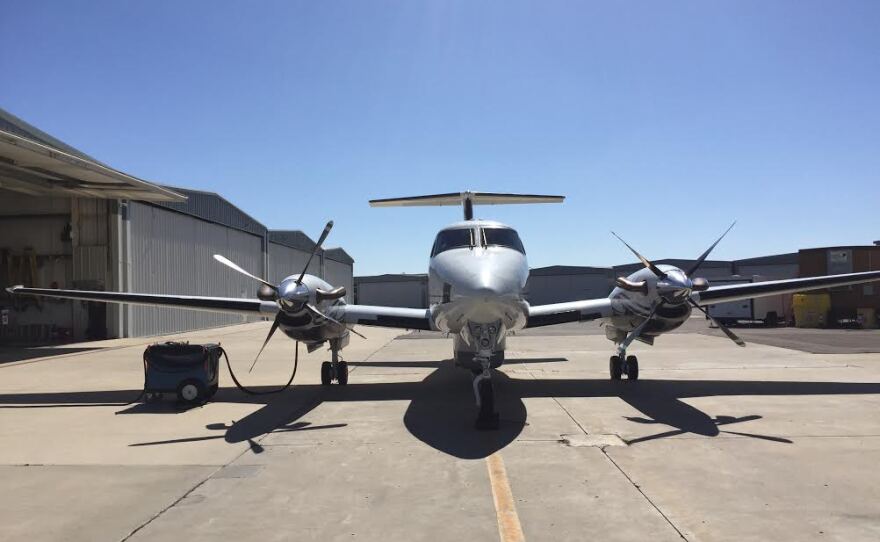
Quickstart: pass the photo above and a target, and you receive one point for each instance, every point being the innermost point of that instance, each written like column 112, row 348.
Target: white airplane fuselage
column 478, row 285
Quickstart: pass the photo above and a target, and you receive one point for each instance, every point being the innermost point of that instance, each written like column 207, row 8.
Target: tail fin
column 466, row 199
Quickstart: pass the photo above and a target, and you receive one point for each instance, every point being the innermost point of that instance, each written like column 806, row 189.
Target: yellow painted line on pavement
column 505, row 507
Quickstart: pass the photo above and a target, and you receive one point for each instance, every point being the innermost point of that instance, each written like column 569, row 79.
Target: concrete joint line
column 644, row 495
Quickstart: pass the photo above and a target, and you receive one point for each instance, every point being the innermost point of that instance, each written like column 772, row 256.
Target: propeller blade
column 269, row 336
column 314, row 310
column 730, row 334
column 232, row 265
column 634, row 334
column 645, row 261
column 317, row 247
column 705, row 255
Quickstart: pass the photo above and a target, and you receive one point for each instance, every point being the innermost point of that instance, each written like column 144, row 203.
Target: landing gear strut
column 623, row 364
column 336, row 369
column 487, row 417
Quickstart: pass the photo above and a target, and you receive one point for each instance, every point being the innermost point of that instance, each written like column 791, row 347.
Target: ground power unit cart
column 188, row 370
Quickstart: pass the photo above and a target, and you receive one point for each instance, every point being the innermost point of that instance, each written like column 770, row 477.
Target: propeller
column 293, row 299
column 733, row 336
column 705, row 255
column 235, row 267
column 315, row 249
column 646, row 261
column 674, row 288
column 269, row 336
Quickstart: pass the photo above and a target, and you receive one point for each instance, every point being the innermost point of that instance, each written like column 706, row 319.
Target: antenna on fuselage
column 466, row 199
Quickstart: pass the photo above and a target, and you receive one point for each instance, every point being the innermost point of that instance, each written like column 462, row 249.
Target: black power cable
column 267, row 392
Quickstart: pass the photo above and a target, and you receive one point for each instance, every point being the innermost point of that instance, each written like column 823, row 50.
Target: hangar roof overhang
column 40, row 170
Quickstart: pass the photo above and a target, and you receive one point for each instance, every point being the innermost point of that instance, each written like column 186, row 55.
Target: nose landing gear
column 487, row 417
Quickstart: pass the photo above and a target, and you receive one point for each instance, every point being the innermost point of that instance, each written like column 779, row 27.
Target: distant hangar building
column 69, row 221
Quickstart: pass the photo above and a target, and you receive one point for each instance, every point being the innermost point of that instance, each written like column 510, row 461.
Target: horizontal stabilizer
column 466, row 200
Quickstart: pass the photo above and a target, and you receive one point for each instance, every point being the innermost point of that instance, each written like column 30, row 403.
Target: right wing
column 736, row 292
column 204, row 303
column 570, row 311
column 396, row 317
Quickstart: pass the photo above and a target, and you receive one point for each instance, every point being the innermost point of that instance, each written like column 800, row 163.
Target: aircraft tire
column 632, row 368
column 342, row 373
column 326, row 373
column 615, row 367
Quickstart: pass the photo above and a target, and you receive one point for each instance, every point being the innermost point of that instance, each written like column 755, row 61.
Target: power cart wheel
column 190, row 392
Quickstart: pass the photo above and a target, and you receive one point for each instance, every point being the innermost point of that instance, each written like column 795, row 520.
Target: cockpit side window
column 449, row 239
column 503, row 237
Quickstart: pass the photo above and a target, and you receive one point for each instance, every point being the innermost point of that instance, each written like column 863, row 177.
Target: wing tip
column 12, row 289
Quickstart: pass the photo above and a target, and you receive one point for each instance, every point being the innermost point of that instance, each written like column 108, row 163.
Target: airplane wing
column 571, row 311
column 736, row 292
column 397, row 317
column 213, row 304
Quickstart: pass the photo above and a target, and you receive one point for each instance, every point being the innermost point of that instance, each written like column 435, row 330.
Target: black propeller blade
column 705, row 255
column 316, row 248
column 733, row 336
column 634, row 334
column 645, row 261
column 269, row 336
column 314, row 310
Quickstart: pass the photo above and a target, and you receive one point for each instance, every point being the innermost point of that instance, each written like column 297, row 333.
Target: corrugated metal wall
column 546, row 289
column 410, row 293
column 285, row 261
column 171, row 253
column 340, row 274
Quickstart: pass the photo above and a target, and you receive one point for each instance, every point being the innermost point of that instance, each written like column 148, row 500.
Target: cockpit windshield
column 503, row 237
column 449, row 239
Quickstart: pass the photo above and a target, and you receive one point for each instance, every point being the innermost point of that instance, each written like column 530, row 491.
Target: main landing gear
column 623, row 364
column 336, row 369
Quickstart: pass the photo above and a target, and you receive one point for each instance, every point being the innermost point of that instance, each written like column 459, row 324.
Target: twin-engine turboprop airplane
column 477, row 277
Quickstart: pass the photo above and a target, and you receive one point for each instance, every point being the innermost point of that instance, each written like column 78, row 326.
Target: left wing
column 736, row 292
column 570, row 311
column 204, row 303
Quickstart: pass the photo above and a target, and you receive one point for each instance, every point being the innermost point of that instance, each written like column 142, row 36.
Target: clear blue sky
column 661, row 120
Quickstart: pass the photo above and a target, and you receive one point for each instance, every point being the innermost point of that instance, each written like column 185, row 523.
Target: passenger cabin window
column 502, row 237
column 449, row 239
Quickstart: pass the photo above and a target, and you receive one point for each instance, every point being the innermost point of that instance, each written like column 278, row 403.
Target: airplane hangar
column 70, row 221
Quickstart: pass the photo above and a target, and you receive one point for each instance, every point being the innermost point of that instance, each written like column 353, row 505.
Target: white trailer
column 768, row 311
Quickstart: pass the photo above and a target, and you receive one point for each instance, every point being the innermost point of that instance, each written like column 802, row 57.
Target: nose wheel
column 624, row 365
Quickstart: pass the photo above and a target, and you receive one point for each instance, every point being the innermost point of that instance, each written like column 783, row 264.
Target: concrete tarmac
column 714, row 442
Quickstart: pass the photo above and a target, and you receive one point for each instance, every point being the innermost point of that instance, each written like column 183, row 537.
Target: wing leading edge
column 736, row 292
column 571, row 311
column 204, row 303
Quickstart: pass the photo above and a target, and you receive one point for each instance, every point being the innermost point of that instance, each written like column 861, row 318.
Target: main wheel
column 326, row 373
column 342, row 373
column 615, row 367
column 632, row 367
column 190, row 392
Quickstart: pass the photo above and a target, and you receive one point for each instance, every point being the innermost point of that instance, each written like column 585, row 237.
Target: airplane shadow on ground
column 441, row 410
